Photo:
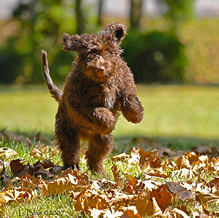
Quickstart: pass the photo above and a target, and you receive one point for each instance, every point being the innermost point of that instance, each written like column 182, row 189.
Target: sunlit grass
column 176, row 111
column 170, row 111
column 52, row 206
column 27, row 109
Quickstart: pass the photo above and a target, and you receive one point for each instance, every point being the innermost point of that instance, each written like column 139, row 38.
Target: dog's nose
column 101, row 69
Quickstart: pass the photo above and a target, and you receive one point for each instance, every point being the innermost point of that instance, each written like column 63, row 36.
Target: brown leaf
column 192, row 157
column 214, row 183
column 131, row 212
column 165, row 152
column 4, row 178
column 212, row 214
column 36, row 153
column 120, row 157
column 118, row 198
column 146, row 158
column 47, row 163
column 162, row 196
column 96, row 213
column 182, row 162
column 16, row 195
column 17, row 168
column 211, row 151
column 144, row 203
column 168, row 164
column 27, row 182
column 175, row 213
column 48, row 148
column 132, row 180
column 156, row 173
column 180, row 193
column 56, row 170
column 135, row 156
column 205, row 198
column 107, row 184
column 174, row 187
column 89, row 199
column 6, row 153
column 83, row 178
column 39, row 170
column 66, row 182
column 116, row 175
column 184, row 209
column 156, row 163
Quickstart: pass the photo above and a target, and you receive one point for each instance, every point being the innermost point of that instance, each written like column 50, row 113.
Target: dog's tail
column 53, row 89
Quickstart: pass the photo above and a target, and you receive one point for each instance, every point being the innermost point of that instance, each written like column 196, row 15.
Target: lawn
column 172, row 112
column 177, row 116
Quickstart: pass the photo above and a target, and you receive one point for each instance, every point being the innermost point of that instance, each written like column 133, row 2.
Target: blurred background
column 172, row 48
column 168, row 41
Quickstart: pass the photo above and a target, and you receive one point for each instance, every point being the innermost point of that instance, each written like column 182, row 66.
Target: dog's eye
column 95, row 51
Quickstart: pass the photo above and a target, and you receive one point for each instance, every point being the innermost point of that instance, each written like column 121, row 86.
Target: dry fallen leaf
column 180, row 193
column 146, row 158
column 89, row 199
column 135, row 156
column 176, row 213
column 16, row 195
column 131, row 212
column 150, row 193
column 182, row 162
column 144, row 203
column 6, row 153
column 117, row 178
column 120, row 157
column 17, row 168
column 36, row 153
column 163, row 197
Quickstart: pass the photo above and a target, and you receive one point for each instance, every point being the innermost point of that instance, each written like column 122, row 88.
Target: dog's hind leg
column 99, row 148
column 68, row 140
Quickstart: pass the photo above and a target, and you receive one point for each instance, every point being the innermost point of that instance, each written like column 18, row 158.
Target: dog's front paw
column 132, row 109
column 105, row 121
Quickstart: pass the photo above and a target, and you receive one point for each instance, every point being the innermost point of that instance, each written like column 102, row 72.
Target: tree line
column 40, row 24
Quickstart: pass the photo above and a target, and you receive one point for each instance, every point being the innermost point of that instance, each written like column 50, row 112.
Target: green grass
column 28, row 109
column 176, row 111
column 52, row 206
column 179, row 116
column 173, row 113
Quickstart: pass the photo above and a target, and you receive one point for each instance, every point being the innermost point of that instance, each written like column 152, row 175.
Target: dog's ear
column 118, row 30
column 73, row 43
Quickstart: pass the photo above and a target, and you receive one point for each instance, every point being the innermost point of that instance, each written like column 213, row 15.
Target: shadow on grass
column 123, row 144
column 126, row 143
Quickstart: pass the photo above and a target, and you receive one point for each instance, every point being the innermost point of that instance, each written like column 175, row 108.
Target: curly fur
column 99, row 86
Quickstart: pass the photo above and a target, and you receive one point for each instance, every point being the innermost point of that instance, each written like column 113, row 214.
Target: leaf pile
column 170, row 184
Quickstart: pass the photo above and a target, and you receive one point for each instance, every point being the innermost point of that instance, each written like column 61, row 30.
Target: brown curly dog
column 99, row 85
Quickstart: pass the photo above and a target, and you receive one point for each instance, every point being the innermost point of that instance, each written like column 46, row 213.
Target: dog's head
column 98, row 53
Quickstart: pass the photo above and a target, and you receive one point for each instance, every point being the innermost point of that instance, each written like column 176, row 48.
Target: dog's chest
column 109, row 101
column 109, row 97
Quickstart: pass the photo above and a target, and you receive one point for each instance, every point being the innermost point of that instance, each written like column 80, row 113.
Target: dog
column 99, row 87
